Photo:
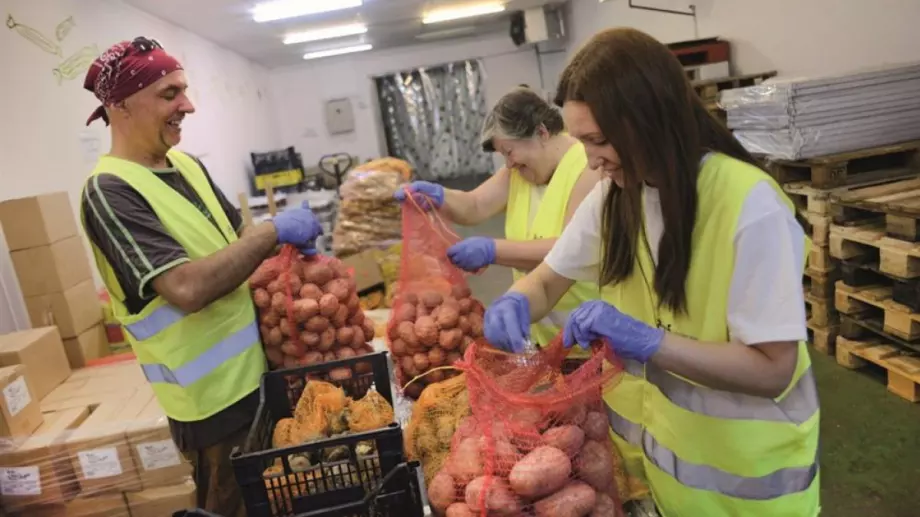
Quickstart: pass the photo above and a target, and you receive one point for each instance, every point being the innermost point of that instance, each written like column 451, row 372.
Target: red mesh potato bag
column 434, row 316
column 537, row 443
column 308, row 310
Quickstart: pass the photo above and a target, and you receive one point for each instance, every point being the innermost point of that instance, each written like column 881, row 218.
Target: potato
column 475, row 325
column 315, row 273
column 567, row 438
column 406, row 332
column 340, row 318
column 344, row 336
column 261, row 298
column 305, row 309
column 328, row 305
column 499, row 500
column 294, row 348
column 398, row 347
column 426, row 330
column 541, row 472
column 345, row 352
column 316, row 324
column 604, row 506
column 275, row 337
column 408, row 366
column 442, row 492
column 290, row 362
column 594, row 465
column 576, row 414
column 353, row 303
column 309, row 339
column 369, row 329
column 329, row 356
column 450, row 339
column 505, row 455
column 433, row 376
column 421, row 362
column 312, row 357
column 326, row 339
column 339, row 288
column 340, row 374
column 463, row 323
column 359, row 339
column 465, row 343
column 414, row 390
column 410, row 298
column 595, row 426
column 436, row 357
column 453, row 357
column 460, row 510
column 279, row 302
column 575, row 500
column 465, row 306
column 275, row 356
column 311, row 291
column 460, row 291
column 421, row 310
column 291, row 281
column 274, row 287
column 431, row 299
column 356, row 318
column 447, row 317
column 287, row 329
column 464, row 463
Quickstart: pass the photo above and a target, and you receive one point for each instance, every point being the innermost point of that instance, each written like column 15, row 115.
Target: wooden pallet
column 897, row 202
column 823, row 338
column 903, row 367
column 820, row 284
column 904, row 291
column 709, row 89
column 820, row 312
column 876, row 303
column 821, row 259
column 873, row 164
column 869, row 244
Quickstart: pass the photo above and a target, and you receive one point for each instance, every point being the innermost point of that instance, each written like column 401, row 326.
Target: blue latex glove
column 628, row 337
column 424, row 193
column 506, row 323
column 472, row 254
column 299, row 227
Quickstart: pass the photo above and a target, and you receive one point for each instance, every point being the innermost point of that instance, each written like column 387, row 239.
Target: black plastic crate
column 342, row 478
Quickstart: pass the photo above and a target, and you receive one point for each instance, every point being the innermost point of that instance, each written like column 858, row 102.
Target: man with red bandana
column 175, row 257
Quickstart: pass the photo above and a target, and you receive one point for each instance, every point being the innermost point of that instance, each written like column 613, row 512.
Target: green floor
column 870, row 439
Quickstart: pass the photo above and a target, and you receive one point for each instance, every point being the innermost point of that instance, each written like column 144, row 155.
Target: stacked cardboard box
column 104, row 450
column 54, row 272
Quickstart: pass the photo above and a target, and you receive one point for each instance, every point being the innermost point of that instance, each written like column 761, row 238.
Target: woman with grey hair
column 545, row 177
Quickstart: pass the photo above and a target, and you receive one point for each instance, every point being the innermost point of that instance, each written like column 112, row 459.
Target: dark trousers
column 217, row 488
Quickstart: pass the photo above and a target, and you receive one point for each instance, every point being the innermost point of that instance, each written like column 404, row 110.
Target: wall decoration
column 34, row 36
column 76, row 64
column 63, row 28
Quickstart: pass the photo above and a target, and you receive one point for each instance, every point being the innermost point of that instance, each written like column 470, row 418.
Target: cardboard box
column 38, row 470
column 91, row 344
column 94, row 386
column 35, row 221
column 73, row 311
column 102, row 505
column 20, row 413
column 158, row 460
column 53, row 268
column 157, row 502
column 366, row 270
column 42, row 352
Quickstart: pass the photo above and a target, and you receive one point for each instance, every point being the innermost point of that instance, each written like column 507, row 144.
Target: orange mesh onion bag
column 434, row 317
column 308, row 310
column 537, row 443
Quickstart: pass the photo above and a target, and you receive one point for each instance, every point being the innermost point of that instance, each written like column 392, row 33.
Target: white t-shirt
column 765, row 303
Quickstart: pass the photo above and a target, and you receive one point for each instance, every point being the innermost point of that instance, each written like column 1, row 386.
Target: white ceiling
column 391, row 23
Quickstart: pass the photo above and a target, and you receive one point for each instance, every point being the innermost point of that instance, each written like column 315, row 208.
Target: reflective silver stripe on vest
column 158, row 320
column 703, row 477
column 799, row 404
column 201, row 366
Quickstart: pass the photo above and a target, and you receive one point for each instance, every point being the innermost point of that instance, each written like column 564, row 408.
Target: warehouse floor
column 870, row 441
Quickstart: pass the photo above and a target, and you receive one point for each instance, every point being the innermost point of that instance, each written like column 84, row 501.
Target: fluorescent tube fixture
column 281, row 9
column 337, row 51
column 337, row 31
column 456, row 13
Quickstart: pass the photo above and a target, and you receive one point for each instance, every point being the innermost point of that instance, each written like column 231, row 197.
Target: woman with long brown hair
column 700, row 259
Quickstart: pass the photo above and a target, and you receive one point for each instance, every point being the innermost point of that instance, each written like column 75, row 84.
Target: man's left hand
column 472, row 254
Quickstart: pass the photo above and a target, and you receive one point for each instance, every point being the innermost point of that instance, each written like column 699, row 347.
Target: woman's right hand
column 428, row 195
column 506, row 324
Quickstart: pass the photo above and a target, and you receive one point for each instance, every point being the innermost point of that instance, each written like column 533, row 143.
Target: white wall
column 300, row 92
column 42, row 122
column 794, row 37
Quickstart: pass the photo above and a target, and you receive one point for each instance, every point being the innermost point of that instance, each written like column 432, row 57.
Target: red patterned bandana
column 125, row 69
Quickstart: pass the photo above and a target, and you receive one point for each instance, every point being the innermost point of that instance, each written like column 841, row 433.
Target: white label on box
column 100, row 463
column 158, row 455
column 20, row 481
column 17, row 395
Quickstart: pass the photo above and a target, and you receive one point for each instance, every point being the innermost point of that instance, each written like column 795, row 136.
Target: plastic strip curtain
column 433, row 116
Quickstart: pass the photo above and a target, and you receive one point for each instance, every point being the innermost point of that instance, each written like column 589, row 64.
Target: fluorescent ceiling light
column 337, row 51
column 456, row 13
column 446, row 33
column 281, row 9
column 337, row 31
